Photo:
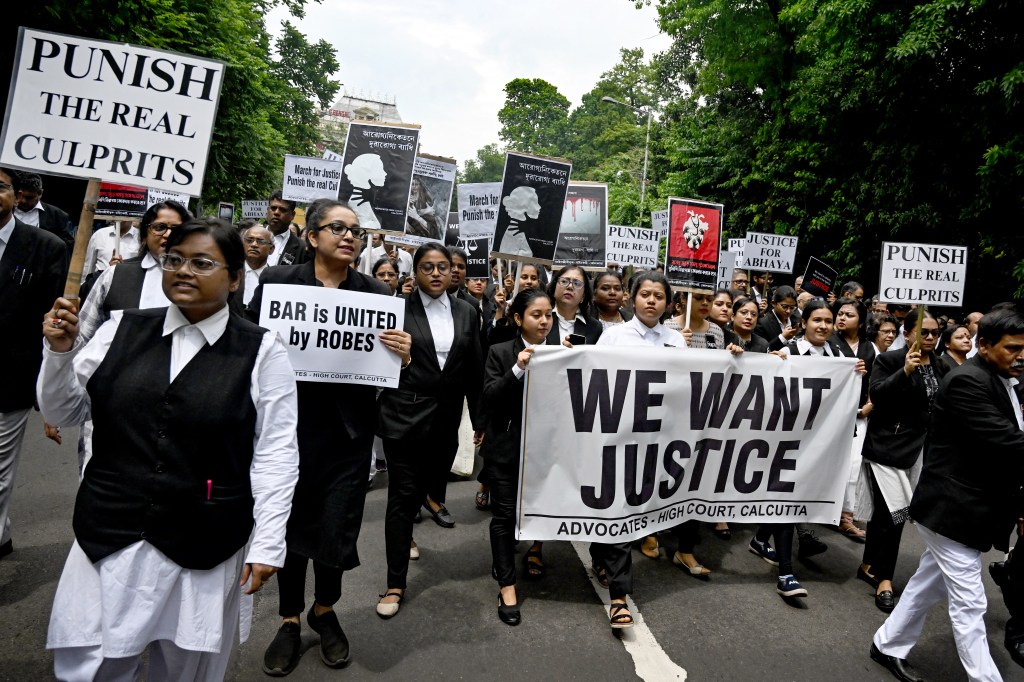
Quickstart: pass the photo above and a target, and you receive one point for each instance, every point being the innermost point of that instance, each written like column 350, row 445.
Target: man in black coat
column 33, row 265
column 966, row 499
column 288, row 249
column 32, row 211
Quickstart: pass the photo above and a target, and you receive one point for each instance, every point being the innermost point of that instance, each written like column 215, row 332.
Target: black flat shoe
column 6, row 548
column 885, row 601
column 899, row 667
column 1016, row 650
column 867, row 577
column 508, row 613
column 441, row 516
column 334, row 651
column 282, row 655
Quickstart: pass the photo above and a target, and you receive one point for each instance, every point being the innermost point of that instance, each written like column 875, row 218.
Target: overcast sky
column 446, row 62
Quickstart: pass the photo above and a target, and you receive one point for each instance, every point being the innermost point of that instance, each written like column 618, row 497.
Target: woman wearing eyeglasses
column 386, row 270
column 419, row 420
column 882, row 329
column 744, row 321
column 851, row 338
column 781, row 324
column 903, row 387
column 188, row 492
column 335, row 434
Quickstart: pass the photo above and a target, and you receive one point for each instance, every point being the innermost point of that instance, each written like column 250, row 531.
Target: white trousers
column 12, row 432
column 167, row 663
column 948, row 570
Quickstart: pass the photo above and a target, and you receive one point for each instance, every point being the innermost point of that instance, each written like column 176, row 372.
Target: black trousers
column 503, row 527
column 1013, row 593
column 617, row 561
column 291, row 585
column 882, row 547
column 783, row 535
column 687, row 535
column 412, row 468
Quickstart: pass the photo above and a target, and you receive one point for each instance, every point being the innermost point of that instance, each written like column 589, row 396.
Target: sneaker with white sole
column 763, row 550
column 789, row 586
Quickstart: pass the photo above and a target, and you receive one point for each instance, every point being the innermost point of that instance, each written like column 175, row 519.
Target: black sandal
column 619, row 616
column 533, row 565
column 483, row 500
column 601, row 575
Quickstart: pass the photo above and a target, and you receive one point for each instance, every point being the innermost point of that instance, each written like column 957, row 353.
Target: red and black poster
column 581, row 233
column 694, row 239
column 819, row 277
column 121, row 201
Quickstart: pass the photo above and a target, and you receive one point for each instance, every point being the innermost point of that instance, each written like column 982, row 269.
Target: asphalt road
column 733, row 627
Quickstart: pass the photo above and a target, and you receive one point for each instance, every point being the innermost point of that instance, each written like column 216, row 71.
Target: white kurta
column 137, row 595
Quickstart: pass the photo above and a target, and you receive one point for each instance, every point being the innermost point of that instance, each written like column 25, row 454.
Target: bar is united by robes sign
column 619, row 443
column 93, row 109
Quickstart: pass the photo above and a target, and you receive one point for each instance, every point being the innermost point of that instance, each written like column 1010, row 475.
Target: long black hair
column 149, row 217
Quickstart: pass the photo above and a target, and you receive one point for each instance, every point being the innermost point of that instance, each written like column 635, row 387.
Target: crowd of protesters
column 229, row 471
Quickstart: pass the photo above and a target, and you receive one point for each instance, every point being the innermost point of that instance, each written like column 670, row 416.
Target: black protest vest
column 170, row 460
column 126, row 286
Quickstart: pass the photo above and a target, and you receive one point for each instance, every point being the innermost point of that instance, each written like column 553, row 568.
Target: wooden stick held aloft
column 85, row 221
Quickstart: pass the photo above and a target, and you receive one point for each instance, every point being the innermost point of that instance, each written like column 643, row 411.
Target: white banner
column 478, row 209
column 307, row 178
column 929, row 274
column 763, row 252
column 619, row 443
column 255, row 209
column 93, row 109
column 333, row 335
column 636, row 246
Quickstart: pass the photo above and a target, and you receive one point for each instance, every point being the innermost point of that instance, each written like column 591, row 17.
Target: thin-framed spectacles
column 172, row 262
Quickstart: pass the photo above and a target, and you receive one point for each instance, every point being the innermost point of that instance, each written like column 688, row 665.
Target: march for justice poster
column 376, row 178
column 694, row 238
column 581, row 234
column 533, row 191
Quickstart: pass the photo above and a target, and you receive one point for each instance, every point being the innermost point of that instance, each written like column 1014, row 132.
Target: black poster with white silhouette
column 533, row 191
column 376, row 177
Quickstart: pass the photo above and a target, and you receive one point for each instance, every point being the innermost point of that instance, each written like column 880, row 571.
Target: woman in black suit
column 903, row 387
column 570, row 290
column 779, row 325
column 531, row 312
column 744, row 320
column 851, row 339
column 335, row 434
column 419, row 420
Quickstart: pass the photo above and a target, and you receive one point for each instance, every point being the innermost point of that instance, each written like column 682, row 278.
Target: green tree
column 488, row 166
column 534, row 118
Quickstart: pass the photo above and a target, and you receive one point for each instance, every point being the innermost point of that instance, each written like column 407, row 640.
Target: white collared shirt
column 1010, row 383
column 566, row 327
column 252, row 280
column 636, row 333
column 101, row 248
column 280, row 240
column 91, row 316
column 442, row 325
column 31, row 216
column 517, row 371
column 803, row 345
column 153, row 285
column 5, row 235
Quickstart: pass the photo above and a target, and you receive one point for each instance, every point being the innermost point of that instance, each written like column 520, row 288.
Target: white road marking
column 650, row 661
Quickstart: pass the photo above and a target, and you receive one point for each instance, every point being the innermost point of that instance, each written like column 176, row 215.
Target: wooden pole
column 917, row 327
column 519, row 272
column 74, row 280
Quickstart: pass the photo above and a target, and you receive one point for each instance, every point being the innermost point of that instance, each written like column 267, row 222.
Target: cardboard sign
column 726, row 265
column 819, row 278
column 377, row 170
column 736, row 247
column 331, row 156
column 694, row 238
column 478, row 209
column 452, row 236
column 764, row 252
column 926, row 274
column 636, row 246
column 581, row 234
column 433, row 182
column 533, row 191
column 226, row 211
column 478, row 264
column 333, row 335
column 93, row 109
column 255, row 209
column 307, row 178
column 128, row 202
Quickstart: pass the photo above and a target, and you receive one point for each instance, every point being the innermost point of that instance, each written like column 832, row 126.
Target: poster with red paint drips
column 581, row 234
column 694, row 239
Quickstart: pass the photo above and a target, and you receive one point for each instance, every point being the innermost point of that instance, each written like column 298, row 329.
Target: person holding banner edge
column 327, row 510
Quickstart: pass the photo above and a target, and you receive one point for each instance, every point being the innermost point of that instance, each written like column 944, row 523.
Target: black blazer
column 973, row 466
column 757, row 343
column 794, row 350
column 899, row 418
column 865, row 352
column 32, row 273
column 57, row 222
column 294, row 251
column 428, row 396
column 591, row 329
column 768, row 328
column 503, row 401
column 352, row 405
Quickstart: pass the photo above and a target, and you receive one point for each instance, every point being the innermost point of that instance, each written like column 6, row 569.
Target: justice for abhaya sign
column 619, row 443
column 333, row 335
column 92, row 109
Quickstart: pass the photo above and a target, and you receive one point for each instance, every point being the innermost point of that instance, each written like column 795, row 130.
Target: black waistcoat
column 156, row 445
column 126, row 287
